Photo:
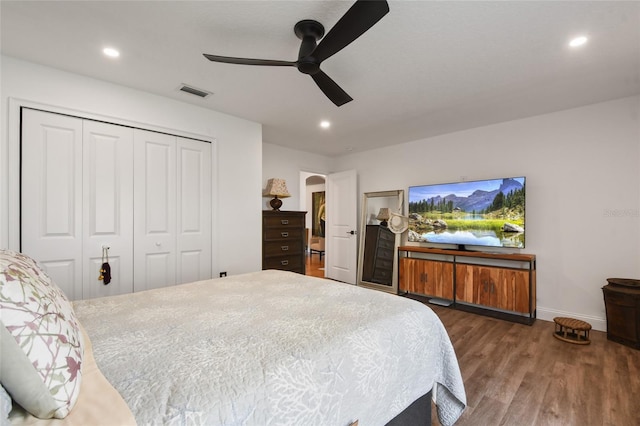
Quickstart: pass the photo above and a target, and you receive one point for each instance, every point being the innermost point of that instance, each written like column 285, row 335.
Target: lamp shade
column 384, row 214
column 276, row 188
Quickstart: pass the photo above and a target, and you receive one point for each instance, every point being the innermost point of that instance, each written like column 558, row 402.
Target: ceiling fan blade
column 331, row 89
column 247, row 61
column 359, row 18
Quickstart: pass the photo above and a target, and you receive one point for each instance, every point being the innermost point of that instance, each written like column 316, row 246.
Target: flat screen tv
column 475, row 213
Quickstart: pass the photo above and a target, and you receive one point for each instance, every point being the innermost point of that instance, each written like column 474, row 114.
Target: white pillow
column 40, row 340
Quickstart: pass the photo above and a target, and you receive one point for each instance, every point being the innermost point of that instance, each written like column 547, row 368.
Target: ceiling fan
column 363, row 15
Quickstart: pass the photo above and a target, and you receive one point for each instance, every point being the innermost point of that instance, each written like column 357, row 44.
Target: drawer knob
column 284, row 222
column 284, row 248
column 284, row 262
column 284, row 234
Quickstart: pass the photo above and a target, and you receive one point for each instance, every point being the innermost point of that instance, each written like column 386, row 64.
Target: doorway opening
column 312, row 200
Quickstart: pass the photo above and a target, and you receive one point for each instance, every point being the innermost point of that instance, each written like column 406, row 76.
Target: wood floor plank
column 521, row 375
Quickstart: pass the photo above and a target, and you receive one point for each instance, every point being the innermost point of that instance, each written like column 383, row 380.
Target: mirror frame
column 393, row 288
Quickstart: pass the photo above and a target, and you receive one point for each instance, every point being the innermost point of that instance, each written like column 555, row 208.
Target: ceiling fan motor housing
column 309, row 31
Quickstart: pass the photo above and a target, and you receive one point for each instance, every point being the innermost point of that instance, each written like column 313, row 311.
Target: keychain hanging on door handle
column 105, row 269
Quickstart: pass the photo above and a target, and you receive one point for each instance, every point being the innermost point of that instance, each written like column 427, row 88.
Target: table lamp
column 276, row 188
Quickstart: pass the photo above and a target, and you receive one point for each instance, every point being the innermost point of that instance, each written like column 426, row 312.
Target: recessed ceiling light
column 111, row 52
column 578, row 41
column 325, row 124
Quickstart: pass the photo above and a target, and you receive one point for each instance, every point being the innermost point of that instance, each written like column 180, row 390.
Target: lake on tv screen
column 476, row 238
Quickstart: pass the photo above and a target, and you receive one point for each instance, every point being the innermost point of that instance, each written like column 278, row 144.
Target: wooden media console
column 502, row 285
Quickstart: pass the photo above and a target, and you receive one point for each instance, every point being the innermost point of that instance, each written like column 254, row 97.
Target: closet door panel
column 193, row 210
column 108, row 207
column 51, row 193
column 154, row 210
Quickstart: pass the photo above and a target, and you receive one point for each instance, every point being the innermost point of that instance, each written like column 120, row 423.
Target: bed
column 264, row 348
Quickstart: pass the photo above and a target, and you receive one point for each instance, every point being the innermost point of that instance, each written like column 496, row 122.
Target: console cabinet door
column 482, row 285
column 522, row 296
column 500, row 288
column 427, row 277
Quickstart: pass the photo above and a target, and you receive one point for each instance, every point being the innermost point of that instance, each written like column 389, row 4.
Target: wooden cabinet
column 622, row 304
column 378, row 255
column 418, row 276
column 500, row 288
column 283, row 240
column 501, row 285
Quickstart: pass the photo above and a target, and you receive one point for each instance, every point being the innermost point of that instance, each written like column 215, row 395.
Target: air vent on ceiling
column 193, row 91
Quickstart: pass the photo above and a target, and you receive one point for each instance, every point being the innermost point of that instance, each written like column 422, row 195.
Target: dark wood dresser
column 622, row 304
column 379, row 253
column 283, row 240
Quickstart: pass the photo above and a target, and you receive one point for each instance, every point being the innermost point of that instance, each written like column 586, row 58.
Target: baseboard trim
column 547, row 314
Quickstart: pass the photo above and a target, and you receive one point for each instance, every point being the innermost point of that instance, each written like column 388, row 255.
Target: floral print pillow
column 40, row 339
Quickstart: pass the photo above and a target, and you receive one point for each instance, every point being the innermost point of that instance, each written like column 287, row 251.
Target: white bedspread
column 272, row 348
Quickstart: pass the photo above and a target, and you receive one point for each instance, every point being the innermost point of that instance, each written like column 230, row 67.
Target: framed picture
column 317, row 229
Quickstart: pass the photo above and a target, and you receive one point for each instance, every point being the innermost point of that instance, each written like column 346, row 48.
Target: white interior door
column 193, row 261
column 51, row 193
column 107, row 207
column 154, row 210
column 341, row 239
column 87, row 184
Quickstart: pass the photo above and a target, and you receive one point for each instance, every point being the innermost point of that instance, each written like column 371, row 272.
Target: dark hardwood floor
column 520, row 375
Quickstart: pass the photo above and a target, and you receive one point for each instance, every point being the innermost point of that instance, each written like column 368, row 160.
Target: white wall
column 286, row 163
column 583, row 192
column 238, row 172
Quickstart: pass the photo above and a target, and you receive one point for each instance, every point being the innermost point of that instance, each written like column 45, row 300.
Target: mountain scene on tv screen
column 485, row 213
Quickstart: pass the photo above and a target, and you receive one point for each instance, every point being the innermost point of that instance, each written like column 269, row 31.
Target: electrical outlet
column 223, row 274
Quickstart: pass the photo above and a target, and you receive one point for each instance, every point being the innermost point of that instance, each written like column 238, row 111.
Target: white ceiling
column 426, row 68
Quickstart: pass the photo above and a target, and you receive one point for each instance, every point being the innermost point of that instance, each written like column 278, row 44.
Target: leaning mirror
column 377, row 260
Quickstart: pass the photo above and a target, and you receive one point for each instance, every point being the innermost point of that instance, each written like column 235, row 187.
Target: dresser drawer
column 287, row 263
column 384, row 254
column 283, row 221
column 387, row 238
column 384, row 264
column 282, row 248
column 382, row 276
column 271, row 234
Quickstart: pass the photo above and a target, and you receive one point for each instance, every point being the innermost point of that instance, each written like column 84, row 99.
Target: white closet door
column 154, row 210
column 193, row 210
column 107, row 207
column 51, row 193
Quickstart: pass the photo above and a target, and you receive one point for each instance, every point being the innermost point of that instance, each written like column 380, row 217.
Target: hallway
column 315, row 266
